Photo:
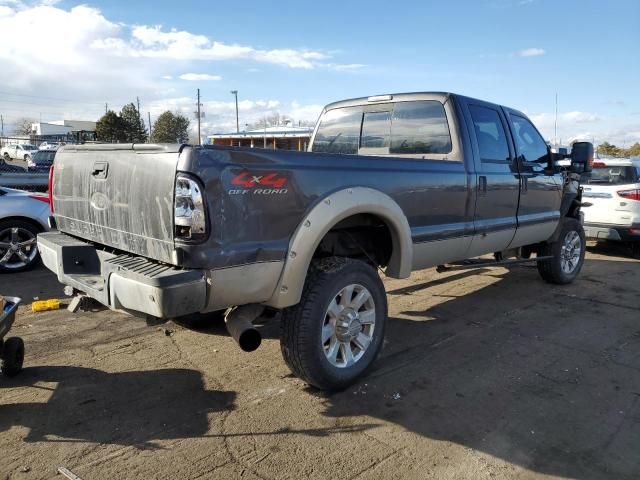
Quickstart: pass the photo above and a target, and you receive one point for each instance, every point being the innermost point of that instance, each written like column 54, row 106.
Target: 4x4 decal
column 269, row 183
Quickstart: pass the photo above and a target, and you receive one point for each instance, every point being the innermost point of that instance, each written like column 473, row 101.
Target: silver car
column 22, row 216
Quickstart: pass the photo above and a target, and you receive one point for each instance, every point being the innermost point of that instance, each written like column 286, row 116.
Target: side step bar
column 485, row 262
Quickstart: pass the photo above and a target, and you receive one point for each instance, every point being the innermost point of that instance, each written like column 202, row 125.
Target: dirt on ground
column 484, row 374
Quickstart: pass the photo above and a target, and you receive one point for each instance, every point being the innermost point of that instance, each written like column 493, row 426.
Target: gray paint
column 432, row 204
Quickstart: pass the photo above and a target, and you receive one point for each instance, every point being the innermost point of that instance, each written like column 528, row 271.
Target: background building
column 279, row 137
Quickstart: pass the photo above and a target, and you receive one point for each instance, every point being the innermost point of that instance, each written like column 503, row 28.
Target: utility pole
column 235, row 92
column 555, row 127
column 199, row 117
column 2, row 124
column 106, row 108
column 149, row 115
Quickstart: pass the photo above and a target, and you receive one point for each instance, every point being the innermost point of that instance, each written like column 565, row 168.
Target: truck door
column 497, row 180
column 540, row 192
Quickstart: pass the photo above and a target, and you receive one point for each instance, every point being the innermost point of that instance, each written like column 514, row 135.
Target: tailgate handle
column 100, row 169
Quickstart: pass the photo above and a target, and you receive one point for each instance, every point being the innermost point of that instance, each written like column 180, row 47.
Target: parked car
column 18, row 152
column 41, row 161
column 22, row 216
column 49, row 146
column 396, row 182
column 613, row 189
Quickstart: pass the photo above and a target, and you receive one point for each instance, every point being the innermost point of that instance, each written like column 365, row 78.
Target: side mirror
column 582, row 157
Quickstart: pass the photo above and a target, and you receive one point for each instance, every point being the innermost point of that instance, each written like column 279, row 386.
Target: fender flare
column 324, row 216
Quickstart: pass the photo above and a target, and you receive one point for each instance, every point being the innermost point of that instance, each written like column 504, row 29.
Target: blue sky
column 294, row 57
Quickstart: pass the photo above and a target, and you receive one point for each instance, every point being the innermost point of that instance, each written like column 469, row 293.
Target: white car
column 22, row 216
column 49, row 146
column 613, row 189
column 19, row 152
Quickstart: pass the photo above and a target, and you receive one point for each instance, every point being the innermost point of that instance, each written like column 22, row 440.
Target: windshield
column 613, row 175
column 43, row 157
column 28, row 147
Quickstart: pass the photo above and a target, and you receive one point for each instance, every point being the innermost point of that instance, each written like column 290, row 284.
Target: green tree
column 170, row 128
column 111, row 128
column 605, row 148
column 633, row 150
column 135, row 130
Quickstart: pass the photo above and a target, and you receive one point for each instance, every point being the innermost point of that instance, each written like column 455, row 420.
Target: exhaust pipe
column 239, row 326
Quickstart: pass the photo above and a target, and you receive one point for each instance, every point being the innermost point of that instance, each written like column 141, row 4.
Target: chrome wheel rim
column 17, row 247
column 349, row 322
column 571, row 250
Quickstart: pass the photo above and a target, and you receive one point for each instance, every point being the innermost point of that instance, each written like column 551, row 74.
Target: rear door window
column 490, row 133
column 339, row 131
column 420, row 127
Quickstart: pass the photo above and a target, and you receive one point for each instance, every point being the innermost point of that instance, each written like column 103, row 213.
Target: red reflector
column 598, row 164
column 50, row 192
column 635, row 231
column 630, row 194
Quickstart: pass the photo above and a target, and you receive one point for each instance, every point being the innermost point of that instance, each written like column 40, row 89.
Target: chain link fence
column 15, row 152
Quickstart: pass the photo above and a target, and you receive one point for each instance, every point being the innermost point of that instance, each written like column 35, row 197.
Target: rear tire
column 25, row 238
column 333, row 335
column 12, row 356
column 567, row 252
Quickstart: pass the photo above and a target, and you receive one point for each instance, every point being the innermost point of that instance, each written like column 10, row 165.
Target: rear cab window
column 490, row 134
column 613, row 175
column 418, row 127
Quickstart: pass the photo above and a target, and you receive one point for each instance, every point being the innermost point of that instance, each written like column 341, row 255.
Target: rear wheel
column 567, row 254
column 12, row 356
column 18, row 245
column 7, row 157
column 334, row 334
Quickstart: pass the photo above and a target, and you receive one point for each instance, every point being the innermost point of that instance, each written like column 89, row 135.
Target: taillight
column 41, row 198
column 51, row 189
column 190, row 217
column 630, row 194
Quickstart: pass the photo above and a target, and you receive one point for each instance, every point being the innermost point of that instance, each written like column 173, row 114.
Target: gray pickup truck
column 393, row 182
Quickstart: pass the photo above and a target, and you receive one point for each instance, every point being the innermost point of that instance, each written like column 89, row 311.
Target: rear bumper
column 123, row 281
column 603, row 231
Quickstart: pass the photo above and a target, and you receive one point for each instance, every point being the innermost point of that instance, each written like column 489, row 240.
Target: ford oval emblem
column 99, row 201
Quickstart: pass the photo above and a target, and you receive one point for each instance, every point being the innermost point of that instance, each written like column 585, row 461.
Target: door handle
column 482, row 185
column 100, row 169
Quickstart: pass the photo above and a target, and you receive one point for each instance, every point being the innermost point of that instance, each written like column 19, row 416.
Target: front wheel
column 334, row 334
column 567, row 254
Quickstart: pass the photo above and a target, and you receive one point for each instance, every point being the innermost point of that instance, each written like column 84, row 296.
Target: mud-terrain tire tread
column 298, row 342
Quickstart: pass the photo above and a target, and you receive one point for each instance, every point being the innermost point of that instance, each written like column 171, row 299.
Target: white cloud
column 154, row 42
column 194, row 77
column 532, row 52
column 73, row 60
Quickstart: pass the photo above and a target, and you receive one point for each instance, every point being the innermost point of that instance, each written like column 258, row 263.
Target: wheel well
column 364, row 236
column 26, row 220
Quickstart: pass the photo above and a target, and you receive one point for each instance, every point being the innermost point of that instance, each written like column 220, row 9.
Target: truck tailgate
column 119, row 195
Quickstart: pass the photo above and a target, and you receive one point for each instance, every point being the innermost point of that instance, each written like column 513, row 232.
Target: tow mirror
column 582, row 157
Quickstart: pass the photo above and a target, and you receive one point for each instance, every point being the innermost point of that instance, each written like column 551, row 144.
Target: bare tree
column 23, row 126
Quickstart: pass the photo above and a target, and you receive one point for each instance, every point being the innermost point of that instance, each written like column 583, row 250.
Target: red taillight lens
column 630, row 194
column 599, row 164
column 51, row 189
column 41, row 198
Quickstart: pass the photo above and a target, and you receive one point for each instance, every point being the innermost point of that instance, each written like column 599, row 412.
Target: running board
column 485, row 262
